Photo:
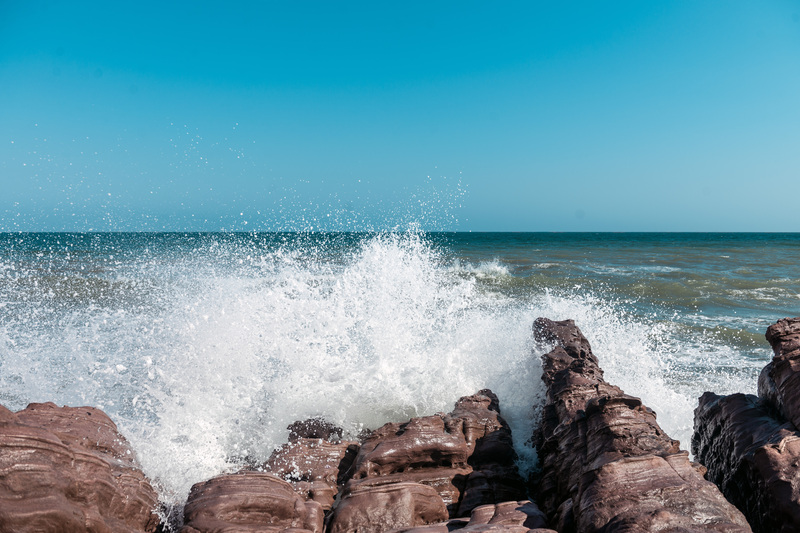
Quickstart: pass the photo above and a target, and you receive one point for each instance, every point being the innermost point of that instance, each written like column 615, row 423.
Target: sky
column 467, row 116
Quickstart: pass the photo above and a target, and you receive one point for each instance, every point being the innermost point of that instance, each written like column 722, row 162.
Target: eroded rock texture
column 249, row 501
column 315, row 461
column 67, row 469
column 779, row 382
column 431, row 468
column 752, row 457
column 606, row 464
column 751, row 450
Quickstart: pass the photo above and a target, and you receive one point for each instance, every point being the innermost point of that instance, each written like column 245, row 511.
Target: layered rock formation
column 67, row 469
column 751, row 444
column 424, row 471
column 430, row 469
column 606, row 464
column 315, row 461
column 250, row 501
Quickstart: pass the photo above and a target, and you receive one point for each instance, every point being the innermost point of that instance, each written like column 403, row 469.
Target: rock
column 466, row 457
column 314, row 428
column 426, row 442
column 314, row 461
column 377, row 508
column 490, row 448
column 505, row 517
column 67, row 469
column 606, row 464
column 779, row 382
column 249, row 501
column 752, row 457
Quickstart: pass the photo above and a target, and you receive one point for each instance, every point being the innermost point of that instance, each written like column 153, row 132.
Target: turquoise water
column 203, row 347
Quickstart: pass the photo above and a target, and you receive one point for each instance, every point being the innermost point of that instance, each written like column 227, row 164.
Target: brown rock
column 314, row 428
column 315, row 468
column 67, row 469
column 606, row 464
column 378, row 508
column 779, row 382
column 753, row 457
column 249, row 501
column 495, row 477
column 427, row 442
column 466, row 457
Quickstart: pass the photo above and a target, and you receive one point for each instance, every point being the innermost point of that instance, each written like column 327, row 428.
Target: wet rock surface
column 465, row 458
column 67, row 469
column 753, row 458
column 315, row 467
column 606, row 464
column 249, row 501
column 751, row 444
column 779, row 382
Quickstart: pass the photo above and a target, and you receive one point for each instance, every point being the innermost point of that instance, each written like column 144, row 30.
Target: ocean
column 203, row 347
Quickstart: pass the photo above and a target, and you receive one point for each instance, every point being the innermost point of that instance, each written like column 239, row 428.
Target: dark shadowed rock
column 504, row 517
column 753, row 457
column 315, row 468
column 466, row 457
column 606, row 464
column 249, row 502
column 779, row 382
column 67, row 469
column 314, row 428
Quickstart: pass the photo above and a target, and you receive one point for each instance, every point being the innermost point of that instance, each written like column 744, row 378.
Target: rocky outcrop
column 779, row 382
column 431, row 468
column 751, row 444
column 67, row 469
column 249, row 501
column 383, row 507
column 315, row 461
column 752, row 457
column 606, row 464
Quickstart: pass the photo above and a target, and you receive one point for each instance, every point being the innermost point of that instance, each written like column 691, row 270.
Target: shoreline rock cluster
column 605, row 465
column 751, row 444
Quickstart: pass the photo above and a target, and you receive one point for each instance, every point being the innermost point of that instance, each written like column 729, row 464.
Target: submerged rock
column 67, row 469
column 751, row 445
column 606, row 464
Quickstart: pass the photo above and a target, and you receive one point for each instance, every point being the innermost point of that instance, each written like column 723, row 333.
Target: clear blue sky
column 483, row 116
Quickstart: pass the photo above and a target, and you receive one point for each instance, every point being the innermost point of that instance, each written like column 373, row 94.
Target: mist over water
column 204, row 347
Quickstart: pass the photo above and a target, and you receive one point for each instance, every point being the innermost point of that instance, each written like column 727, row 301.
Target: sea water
column 203, row 347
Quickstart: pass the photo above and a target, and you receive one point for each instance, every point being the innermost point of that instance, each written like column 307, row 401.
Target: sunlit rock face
column 452, row 462
column 250, row 501
column 67, row 469
column 606, row 464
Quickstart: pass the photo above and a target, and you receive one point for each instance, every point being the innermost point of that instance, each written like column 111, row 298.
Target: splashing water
column 204, row 347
